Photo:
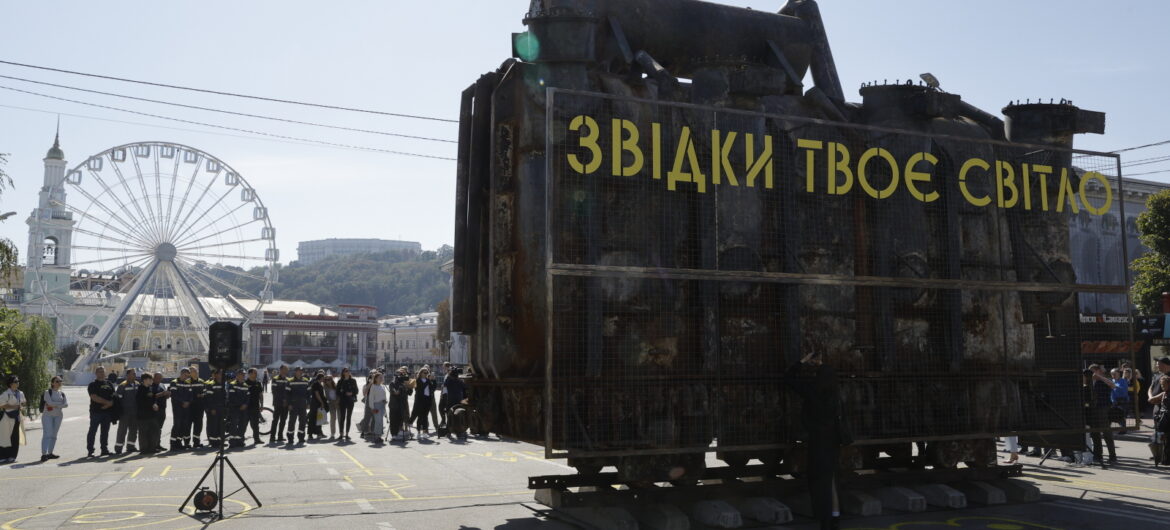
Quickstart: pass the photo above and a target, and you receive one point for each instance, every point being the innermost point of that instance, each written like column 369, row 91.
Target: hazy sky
column 416, row 57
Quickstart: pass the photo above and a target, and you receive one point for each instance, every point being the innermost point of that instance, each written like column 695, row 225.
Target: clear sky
column 415, row 57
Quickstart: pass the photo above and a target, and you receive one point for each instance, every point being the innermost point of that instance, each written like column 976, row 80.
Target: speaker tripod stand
column 220, row 461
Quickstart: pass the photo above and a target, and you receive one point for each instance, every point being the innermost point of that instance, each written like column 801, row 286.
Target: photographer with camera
column 297, row 394
column 1101, row 390
column 424, row 399
column 400, row 390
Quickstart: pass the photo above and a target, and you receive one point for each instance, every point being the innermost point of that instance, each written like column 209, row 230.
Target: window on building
column 135, row 345
column 307, row 339
column 266, row 337
column 49, row 256
column 156, row 343
column 351, row 341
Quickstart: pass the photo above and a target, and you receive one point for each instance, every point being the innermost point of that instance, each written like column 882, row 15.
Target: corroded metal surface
column 639, row 257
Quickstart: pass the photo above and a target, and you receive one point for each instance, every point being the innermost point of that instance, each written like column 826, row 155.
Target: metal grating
column 691, row 263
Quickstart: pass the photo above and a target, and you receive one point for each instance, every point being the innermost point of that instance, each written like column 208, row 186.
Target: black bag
column 14, row 414
column 1162, row 421
column 116, row 410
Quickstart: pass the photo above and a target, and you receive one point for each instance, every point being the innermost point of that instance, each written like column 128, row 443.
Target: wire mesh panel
column 696, row 254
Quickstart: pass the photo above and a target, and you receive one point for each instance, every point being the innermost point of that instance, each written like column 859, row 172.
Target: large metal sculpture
column 656, row 216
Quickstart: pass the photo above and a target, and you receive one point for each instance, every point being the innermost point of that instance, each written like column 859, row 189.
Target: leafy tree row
column 396, row 282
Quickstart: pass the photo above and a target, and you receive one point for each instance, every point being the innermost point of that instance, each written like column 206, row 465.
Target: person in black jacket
column 816, row 384
column 255, row 402
column 347, row 391
column 181, row 396
column 399, row 392
column 279, row 405
column 297, row 394
column 101, row 403
column 237, row 409
column 424, row 397
column 197, row 409
column 317, row 402
column 146, row 411
column 213, row 398
column 161, row 395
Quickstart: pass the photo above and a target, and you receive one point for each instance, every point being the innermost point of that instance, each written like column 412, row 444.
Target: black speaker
column 225, row 342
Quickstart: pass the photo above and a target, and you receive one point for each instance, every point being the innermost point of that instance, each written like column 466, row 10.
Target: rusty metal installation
column 663, row 204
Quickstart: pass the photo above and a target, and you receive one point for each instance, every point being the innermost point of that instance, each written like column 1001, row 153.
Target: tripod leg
column 197, row 484
column 245, row 484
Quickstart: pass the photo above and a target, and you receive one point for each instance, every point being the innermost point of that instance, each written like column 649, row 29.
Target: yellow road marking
column 434, row 498
column 403, row 477
column 136, row 472
column 165, row 471
column 63, row 476
column 355, row 461
column 1058, row 479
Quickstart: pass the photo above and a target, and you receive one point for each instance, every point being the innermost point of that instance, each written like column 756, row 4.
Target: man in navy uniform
column 279, row 405
column 237, row 410
column 196, row 414
column 298, row 404
column 181, row 396
column 255, row 402
column 127, row 393
column 101, row 400
column 213, row 403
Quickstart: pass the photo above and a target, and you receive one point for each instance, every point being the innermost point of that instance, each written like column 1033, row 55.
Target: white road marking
column 345, row 485
column 364, row 505
column 332, row 471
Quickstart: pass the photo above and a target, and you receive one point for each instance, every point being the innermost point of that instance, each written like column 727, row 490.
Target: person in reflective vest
column 255, row 402
column 298, row 406
column 213, row 402
column 237, row 409
column 181, row 396
column 279, row 405
column 196, row 414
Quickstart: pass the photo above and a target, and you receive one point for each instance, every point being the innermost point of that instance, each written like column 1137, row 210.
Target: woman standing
column 54, row 400
column 400, row 390
column 334, row 403
column 317, row 402
column 376, row 401
column 423, row 398
column 10, row 428
column 347, row 392
column 1161, row 402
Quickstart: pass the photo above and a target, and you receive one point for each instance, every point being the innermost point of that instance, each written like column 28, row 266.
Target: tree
column 68, row 355
column 1152, row 271
column 9, row 255
column 27, row 345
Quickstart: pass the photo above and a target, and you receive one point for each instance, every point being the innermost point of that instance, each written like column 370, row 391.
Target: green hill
column 394, row 282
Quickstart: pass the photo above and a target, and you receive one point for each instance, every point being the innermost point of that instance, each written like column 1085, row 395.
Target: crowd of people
column 1111, row 397
column 135, row 408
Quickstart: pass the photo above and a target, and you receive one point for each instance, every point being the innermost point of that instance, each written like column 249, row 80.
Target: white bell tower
column 50, row 232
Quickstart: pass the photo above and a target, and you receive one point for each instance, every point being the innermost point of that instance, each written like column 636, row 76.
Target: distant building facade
column 314, row 251
column 410, row 340
column 285, row 332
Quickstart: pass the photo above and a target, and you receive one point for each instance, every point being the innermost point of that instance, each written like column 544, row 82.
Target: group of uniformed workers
column 192, row 397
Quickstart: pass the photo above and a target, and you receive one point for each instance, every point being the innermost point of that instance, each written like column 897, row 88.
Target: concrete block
column 858, row 503
column 662, row 517
column 1018, row 490
column 942, row 495
column 799, row 504
column 717, row 514
column 979, row 492
column 603, row 517
column 764, row 510
column 903, row 499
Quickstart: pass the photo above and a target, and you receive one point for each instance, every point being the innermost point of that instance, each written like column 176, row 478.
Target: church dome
column 55, row 152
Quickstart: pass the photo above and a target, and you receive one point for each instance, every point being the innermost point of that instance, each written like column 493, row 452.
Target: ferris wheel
column 147, row 244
